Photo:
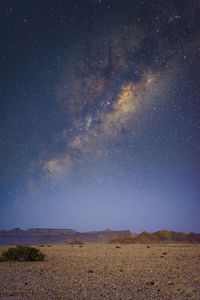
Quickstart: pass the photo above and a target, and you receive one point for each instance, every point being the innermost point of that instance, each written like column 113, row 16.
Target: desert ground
column 105, row 271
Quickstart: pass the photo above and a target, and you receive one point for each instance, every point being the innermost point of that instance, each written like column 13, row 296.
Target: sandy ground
column 97, row 271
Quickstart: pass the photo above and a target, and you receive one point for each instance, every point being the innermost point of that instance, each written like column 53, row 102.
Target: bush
column 22, row 253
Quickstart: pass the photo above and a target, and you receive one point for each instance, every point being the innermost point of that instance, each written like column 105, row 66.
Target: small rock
column 151, row 282
column 90, row 271
column 189, row 292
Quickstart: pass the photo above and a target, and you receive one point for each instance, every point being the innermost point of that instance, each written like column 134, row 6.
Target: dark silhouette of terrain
column 52, row 236
column 39, row 236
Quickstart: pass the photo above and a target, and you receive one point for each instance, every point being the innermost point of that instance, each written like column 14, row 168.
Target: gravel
column 100, row 271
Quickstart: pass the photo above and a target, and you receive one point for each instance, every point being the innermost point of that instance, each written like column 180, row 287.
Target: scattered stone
column 189, row 292
column 170, row 283
column 116, row 274
column 117, row 247
column 150, row 282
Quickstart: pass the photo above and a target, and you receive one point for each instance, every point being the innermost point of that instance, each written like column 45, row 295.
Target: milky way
column 98, row 130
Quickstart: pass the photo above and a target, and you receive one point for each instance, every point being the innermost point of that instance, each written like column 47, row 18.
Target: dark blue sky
column 100, row 114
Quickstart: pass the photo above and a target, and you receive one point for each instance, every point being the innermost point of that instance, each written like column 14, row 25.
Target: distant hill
column 50, row 236
column 44, row 236
column 162, row 236
column 75, row 243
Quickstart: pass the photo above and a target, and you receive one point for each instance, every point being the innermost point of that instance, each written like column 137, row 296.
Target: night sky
column 100, row 114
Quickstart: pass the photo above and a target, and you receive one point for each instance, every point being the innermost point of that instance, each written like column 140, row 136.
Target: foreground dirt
column 98, row 271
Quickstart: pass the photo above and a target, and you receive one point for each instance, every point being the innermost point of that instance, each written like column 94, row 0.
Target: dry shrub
column 22, row 253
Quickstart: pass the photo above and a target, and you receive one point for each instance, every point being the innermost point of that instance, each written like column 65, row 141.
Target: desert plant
column 22, row 253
